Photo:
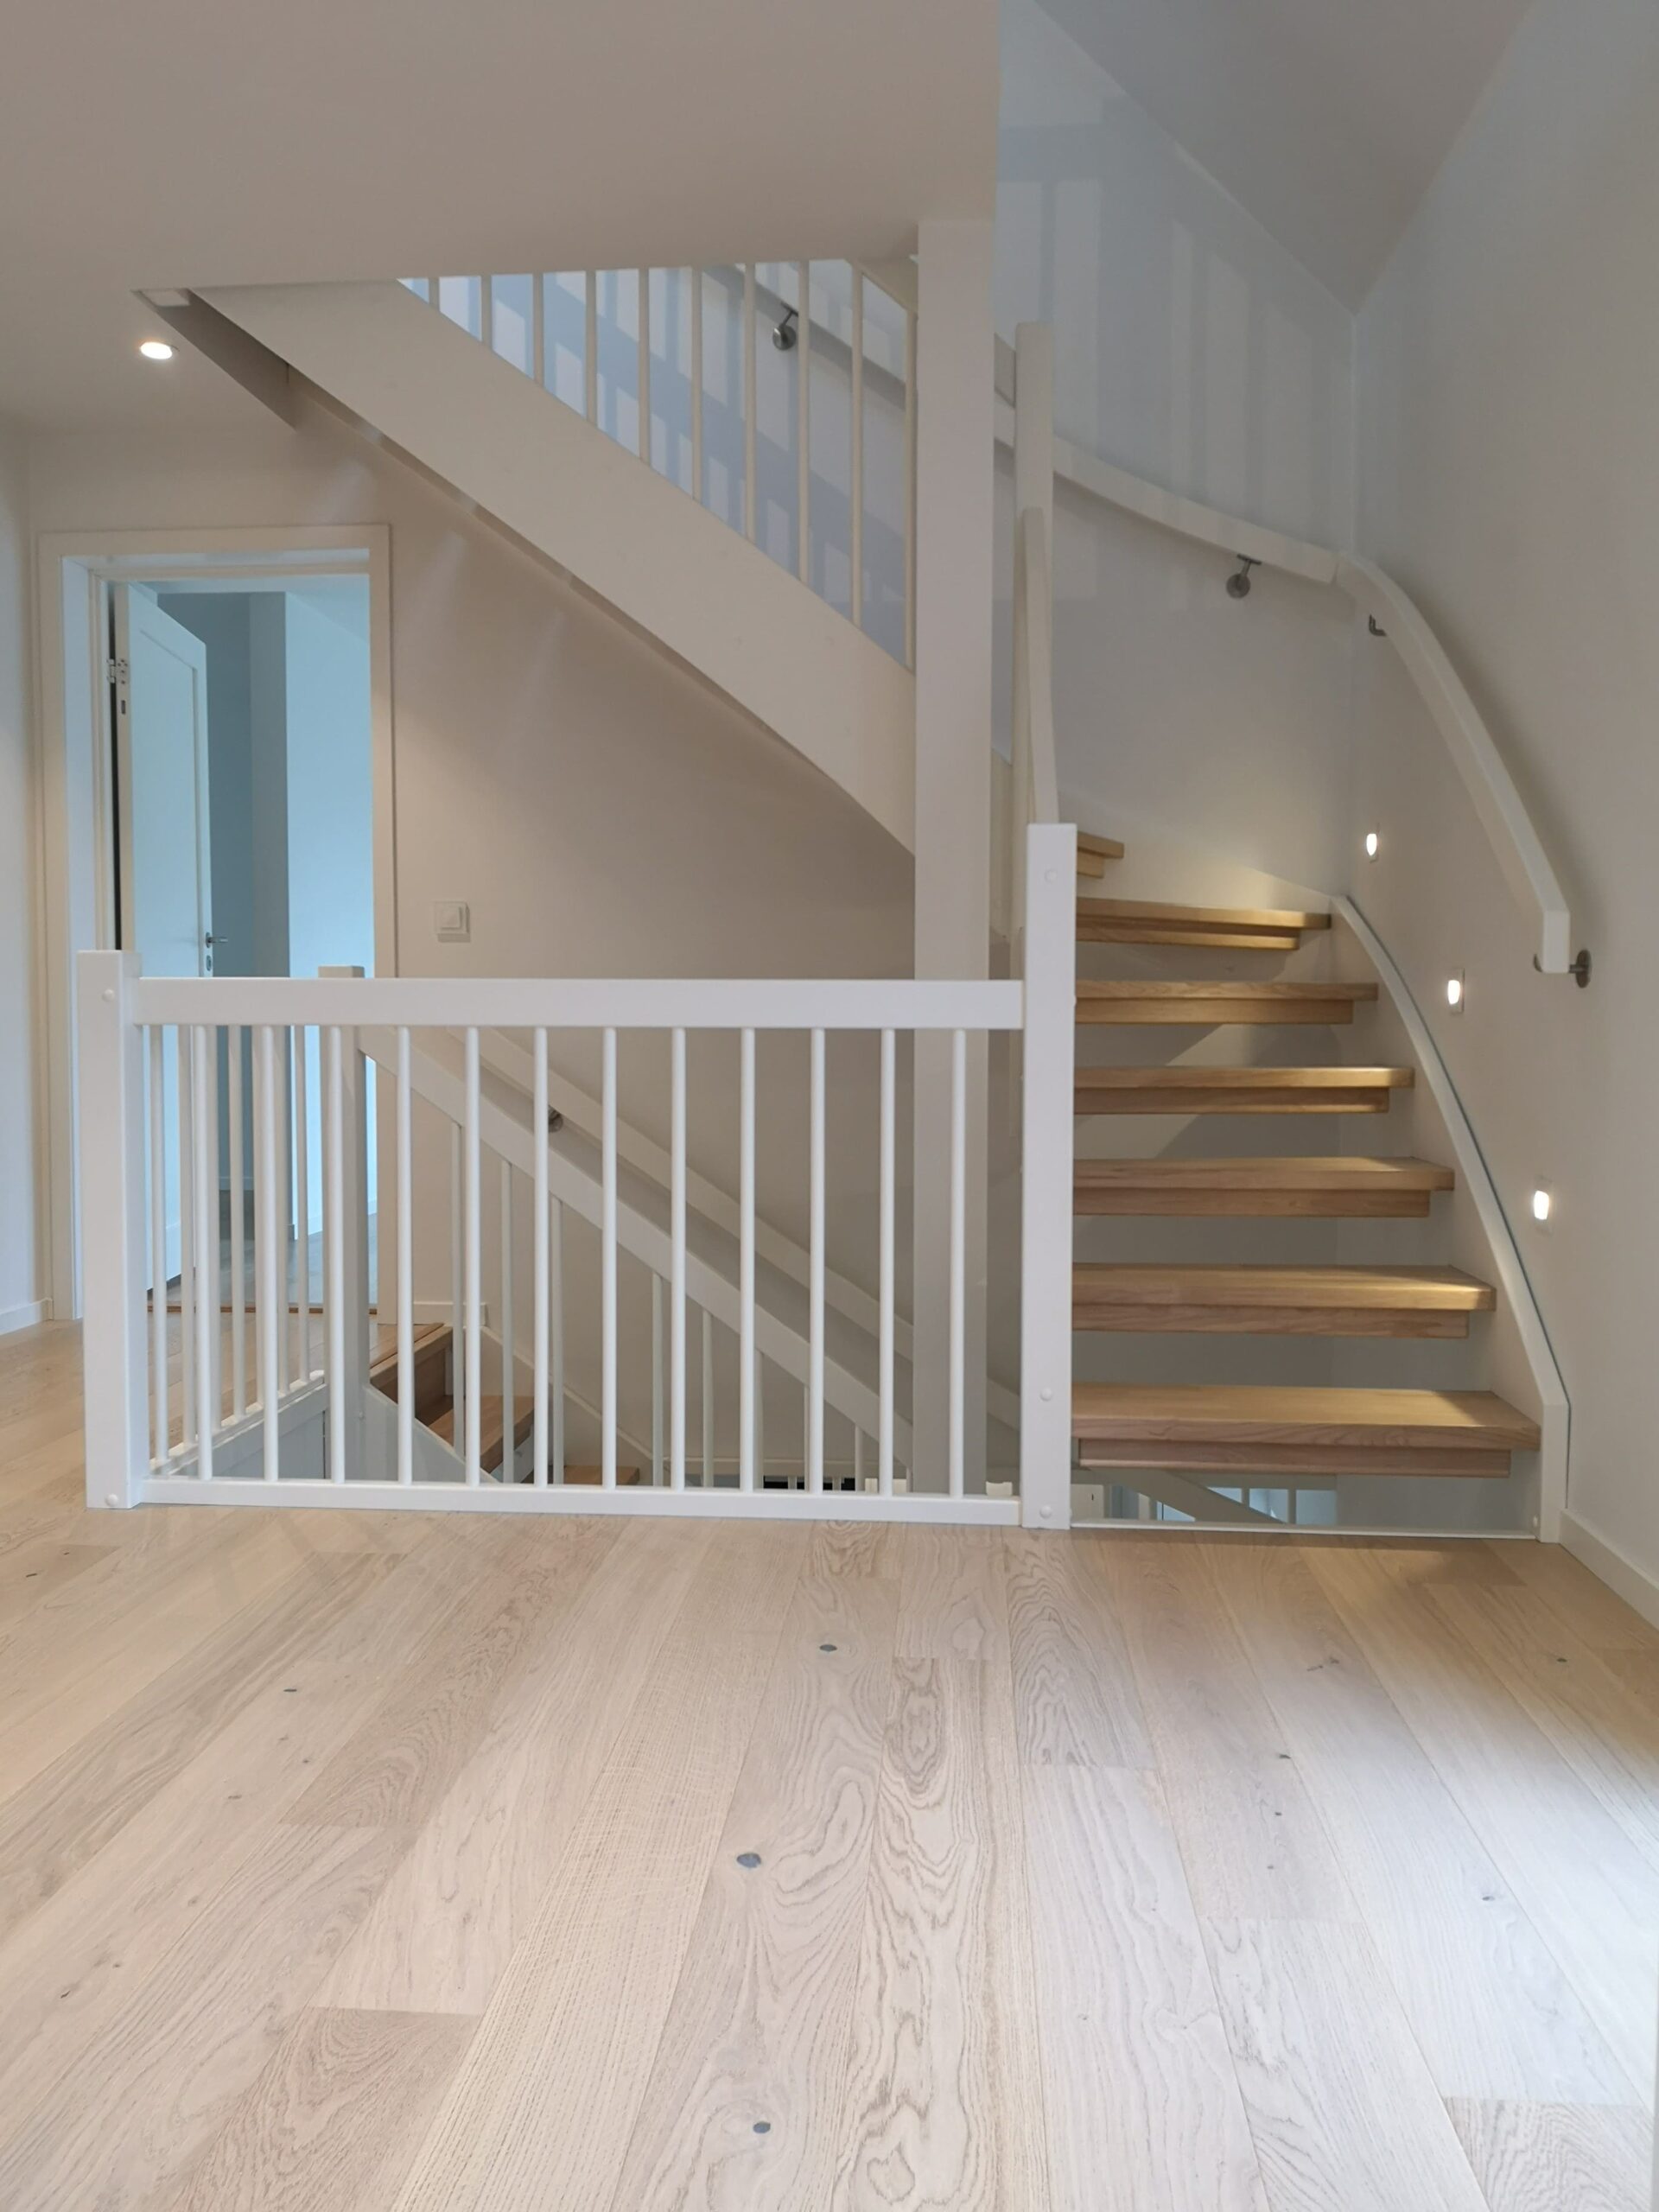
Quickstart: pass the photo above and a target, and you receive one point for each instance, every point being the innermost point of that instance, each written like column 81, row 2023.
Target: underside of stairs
column 1201, row 1444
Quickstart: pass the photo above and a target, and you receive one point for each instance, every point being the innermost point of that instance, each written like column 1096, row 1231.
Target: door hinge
column 115, row 671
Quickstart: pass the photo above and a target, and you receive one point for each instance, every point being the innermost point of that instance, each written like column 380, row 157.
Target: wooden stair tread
column 1180, row 1089
column 1207, row 1005
column 1178, row 1075
column 426, row 1336
column 1380, row 1289
column 1343, row 1187
column 1236, row 918
column 1224, row 1432
column 1299, row 1172
column 491, row 1427
column 1248, row 929
column 1093, row 853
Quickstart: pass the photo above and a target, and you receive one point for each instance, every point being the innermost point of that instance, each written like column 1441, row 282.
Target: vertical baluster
column 284, row 1192
column 645, row 366
column 538, row 1139
column 815, row 1279
column 204, row 1207
column 509, row 1333
column 471, row 1210
column 333, row 1248
column 748, row 1410
column 958, row 1253
column 607, row 1269
column 457, row 1325
column 302, row 1117
column 185, row 1086
column 656, row 1455
column 748, row 402
column 556, row 1297
column 910, row 489
column 238, row 1257
column 759, row 1420
column 696, row 385
column 707, row 1401
column 590, row 348
column 156, row 1038
column 804, row 419
column 539, row 329
column 487, row 311
column 677, row 1206
column 884, row 1381
column 858, row 1460
column 857, row 516
column 405, row 1267
column 270, row 1293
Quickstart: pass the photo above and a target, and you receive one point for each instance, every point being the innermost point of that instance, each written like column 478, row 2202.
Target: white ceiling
column 1325, row 119
column 195, row 142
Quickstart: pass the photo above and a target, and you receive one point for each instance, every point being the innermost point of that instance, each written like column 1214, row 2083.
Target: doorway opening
column 222, row 716
column 241, row 714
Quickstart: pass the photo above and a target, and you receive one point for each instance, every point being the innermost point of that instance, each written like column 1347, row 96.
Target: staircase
column 1223, row 1434
column 435, row 1404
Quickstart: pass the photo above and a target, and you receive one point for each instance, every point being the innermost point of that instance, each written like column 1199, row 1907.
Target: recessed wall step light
column 1454, row 993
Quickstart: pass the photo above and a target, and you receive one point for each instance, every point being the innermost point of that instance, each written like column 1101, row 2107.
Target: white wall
column 20, row 1284
column 1509, row 455
column 1192, row 349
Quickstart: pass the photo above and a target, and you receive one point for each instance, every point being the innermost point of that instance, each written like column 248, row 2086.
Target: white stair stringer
column 668, row 566
column 780, row 1333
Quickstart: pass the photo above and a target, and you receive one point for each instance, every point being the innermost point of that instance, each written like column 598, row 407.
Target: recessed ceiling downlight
column 156, row 349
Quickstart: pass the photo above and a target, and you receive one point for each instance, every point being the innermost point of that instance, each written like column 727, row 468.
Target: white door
column 161, row 738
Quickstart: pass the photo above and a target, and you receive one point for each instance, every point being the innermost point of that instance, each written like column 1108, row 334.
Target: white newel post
column 1033, row 488
column 956, row 400
column 112, row 1223
column 347, row 1409
column 1047, row 1176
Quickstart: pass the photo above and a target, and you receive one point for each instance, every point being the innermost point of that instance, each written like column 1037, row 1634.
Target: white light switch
column 453, row 921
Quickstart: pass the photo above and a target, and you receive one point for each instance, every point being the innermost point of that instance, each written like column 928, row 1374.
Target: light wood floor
column 351, row 1862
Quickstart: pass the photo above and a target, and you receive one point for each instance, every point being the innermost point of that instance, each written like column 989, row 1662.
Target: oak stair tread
column 1344, row 1185
column 1237, row 1428
column 1206, row 1005
column 1142, row 921
column 1182, row 1089
column 1093, row 853
column 1207, row 1300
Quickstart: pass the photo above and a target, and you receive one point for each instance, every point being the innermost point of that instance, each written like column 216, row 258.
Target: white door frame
column 77, row 799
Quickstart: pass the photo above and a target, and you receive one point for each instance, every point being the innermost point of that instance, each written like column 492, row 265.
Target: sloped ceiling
column 189, row 143
column 1325, row 119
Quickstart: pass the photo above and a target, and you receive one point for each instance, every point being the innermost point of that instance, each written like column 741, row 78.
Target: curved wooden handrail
column 1515, row 841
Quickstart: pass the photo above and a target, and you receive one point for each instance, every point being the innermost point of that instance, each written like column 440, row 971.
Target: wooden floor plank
column 1074, row 1692
column 1342, row 2108
column 1252, row 1843
column 167, row 2070
column 1142, row 2105
column 1553, row 2157
column 743, row 2101
column 33, row 1572
column 409, row 1751
column 1490, row 2007
column 440, row 1938
column 80, row 1803
column 65, row 1967
column 1586, row 1887
column 953, row 1599
column 542, row 2109
column 332, row 2121
column 1607, row 1733
column 943, row 2098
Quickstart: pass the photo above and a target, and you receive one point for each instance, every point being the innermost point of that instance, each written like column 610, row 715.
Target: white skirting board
column 21, row 1316
column 1639, row 1590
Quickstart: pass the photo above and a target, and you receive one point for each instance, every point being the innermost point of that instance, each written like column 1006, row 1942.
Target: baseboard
column 21, row 1316
column 1639, row 1590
